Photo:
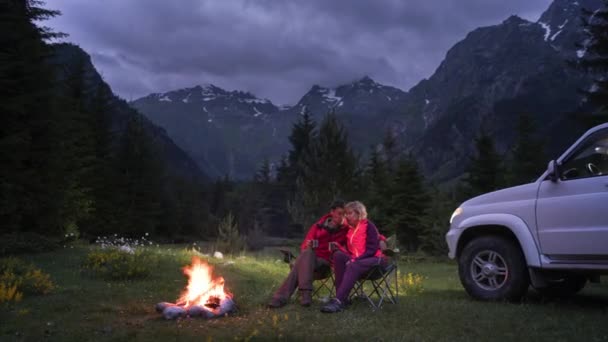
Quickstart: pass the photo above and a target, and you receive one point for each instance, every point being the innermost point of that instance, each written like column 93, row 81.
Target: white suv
column 552, row 234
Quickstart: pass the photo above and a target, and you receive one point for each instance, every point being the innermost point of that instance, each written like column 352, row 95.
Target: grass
column 84, row 309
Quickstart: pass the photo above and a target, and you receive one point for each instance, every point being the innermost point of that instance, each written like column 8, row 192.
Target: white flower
column 126, row 249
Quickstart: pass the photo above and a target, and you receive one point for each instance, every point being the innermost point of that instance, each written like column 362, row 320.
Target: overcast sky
column 276, row 49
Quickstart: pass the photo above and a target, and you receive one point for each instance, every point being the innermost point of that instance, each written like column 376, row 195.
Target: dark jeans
column 301, row 275
column 347, row 273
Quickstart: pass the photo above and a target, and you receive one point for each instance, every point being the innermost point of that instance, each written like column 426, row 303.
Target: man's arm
column 309, row 236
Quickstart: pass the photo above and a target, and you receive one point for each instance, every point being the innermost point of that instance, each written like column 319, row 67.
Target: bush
column 228, row 238
column 18, row 278
column 120, row 263
column 411, row 284
column 26, row 242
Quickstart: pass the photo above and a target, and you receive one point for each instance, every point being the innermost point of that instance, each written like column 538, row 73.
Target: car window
column 590, row 160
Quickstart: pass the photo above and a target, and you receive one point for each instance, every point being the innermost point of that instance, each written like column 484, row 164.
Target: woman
column 362, row 253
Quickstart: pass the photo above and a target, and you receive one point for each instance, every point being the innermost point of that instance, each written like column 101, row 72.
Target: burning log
column 204, row 296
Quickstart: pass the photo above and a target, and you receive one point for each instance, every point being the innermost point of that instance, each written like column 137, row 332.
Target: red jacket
column 318, row 232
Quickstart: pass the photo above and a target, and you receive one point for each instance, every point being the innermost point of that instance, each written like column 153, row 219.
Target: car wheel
column 493, row 268
column 563, row 287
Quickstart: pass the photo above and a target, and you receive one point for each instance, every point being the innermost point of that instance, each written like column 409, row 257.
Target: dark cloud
column 274, row 49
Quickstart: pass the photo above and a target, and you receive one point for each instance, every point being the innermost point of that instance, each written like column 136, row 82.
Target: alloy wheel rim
column 489, row 270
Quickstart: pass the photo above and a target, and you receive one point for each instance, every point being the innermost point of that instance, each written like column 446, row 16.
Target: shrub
column 228, row 238
column 18, row 278
column 411, row 284
column 122, row 263
column 26, row 242
column 9, row 293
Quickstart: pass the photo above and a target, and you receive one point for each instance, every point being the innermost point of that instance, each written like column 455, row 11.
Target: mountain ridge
column 485, row 80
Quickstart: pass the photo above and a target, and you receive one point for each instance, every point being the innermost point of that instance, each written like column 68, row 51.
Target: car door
column 572, row 212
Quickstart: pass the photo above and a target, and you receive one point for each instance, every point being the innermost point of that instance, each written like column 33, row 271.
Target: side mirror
column 552, row 171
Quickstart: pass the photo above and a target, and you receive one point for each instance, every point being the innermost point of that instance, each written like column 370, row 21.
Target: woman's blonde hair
column 357, row 207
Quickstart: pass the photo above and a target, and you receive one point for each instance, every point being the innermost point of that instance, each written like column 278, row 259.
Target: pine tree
column 301, row 138
column 219, row 202
column 378, row 181
column 330, row 169
column 595, row 61
column 432, row 238
column 409, row 204
column 390, row 151
column 77, row 155
column 103, row 176
column 140, row 181
column 30, row 180
column 485, row 171
column 528, row 159
column 264, row 174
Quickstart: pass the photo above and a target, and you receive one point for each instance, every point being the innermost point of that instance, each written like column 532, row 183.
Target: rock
column 199, row 311
column 174, row 312
column 160, row 307
column 218, row 255
column 227, row 305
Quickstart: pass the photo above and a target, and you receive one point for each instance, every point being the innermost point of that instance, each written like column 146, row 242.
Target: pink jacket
column 363, row 241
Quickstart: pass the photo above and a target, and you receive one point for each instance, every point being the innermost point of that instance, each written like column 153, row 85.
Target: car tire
column 493, row 268
column 564, row 287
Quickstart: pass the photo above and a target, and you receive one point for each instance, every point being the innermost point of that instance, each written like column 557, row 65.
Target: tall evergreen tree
column 485, row 172
column 409, row 204
column 390, row 151
column 432, row 238
column 301, row 138
column 528, row 159
column 77, row 155
column 330, row 168
column 103, row 176
column 595, row 61
column 264, row 174
column 378, row 181
column 30, row 180
column 140, row 181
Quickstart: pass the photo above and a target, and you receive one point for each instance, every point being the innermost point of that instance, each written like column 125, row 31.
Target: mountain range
column 485, row 81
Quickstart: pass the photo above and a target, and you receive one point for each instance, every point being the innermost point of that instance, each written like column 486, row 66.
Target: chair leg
column 327, row 284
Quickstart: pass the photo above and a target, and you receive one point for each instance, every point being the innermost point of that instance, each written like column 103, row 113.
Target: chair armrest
column 389, row 252
column 287, row 255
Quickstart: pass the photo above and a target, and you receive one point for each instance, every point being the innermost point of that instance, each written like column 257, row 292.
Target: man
column 315, row 254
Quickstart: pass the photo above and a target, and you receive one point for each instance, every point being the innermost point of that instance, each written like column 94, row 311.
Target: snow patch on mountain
column 330, row 95
column 547, row 29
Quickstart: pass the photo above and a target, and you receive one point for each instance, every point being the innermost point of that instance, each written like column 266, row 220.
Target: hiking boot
column 305, row 297
column 276, row 303
column 333, row 306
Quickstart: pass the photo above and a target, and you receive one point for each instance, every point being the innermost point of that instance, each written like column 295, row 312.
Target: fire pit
column 204, row 296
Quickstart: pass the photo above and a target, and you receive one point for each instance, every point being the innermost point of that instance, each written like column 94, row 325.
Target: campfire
column 204, row 296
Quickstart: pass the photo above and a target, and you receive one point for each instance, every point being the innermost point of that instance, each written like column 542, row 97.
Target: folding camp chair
column 379, row 284
column 324, row 281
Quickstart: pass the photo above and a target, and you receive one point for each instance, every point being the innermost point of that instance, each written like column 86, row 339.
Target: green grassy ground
column 86, row 309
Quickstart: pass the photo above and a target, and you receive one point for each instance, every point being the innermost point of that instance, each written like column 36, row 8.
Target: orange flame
column 201, row 285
